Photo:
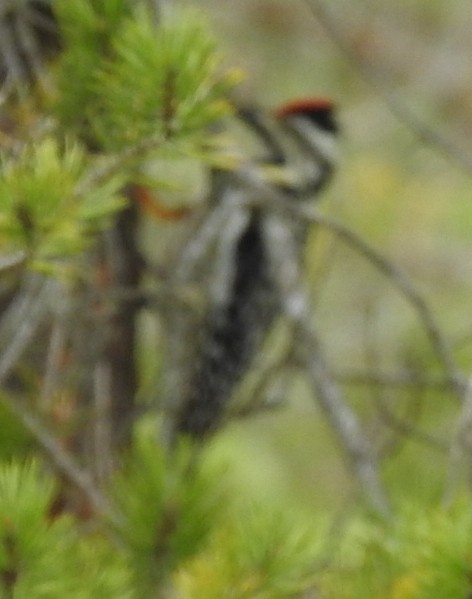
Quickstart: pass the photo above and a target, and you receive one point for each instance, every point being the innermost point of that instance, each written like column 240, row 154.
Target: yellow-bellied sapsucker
column 298, row 141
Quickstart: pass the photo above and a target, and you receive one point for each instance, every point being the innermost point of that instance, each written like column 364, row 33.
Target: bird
column 297, row 144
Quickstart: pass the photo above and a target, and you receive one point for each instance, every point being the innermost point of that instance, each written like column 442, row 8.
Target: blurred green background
column 403, row 196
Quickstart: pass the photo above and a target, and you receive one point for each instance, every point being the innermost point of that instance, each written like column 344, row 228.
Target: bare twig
column 20, row 323
column 379, row 378
column 56, row 348
column 421, row 128
column 265, row 387
column 400, row 280
column 407, row 429
column 113, row 165
column 102, row 424
column 14, row 70
column 59, row 458
column 28, row 36
column 30, row 48
column 359, row 452
column 379, row 395
column 12, row 262
column 24, row 318
column 403, row 427
column 196, row 249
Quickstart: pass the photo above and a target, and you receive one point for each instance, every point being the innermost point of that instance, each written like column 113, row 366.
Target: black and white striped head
column 318, row 111
column 311, row 126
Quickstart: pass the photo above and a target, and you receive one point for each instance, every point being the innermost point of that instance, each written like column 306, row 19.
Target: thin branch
column 102, row 424
column 400, row 280
column 406, row 429
column 378, row 395
column 12, row 67
column 28, row 35
column 56, row 348
column 113, row 165
column 22, row 321
column 268, row 382
column 30, row 48
column 358, row 450
column 407, row 380
column 343, row 419
column 60, row 459
column 12, row 262
column 204, row 237
column 421, row 128
column 28, row 314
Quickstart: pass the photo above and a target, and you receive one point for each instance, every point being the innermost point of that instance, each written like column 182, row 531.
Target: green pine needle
column 264, row 554
column 169, row 510
column 40, row 211
column 424, row 553
column 132, row 80
column 165, row 81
